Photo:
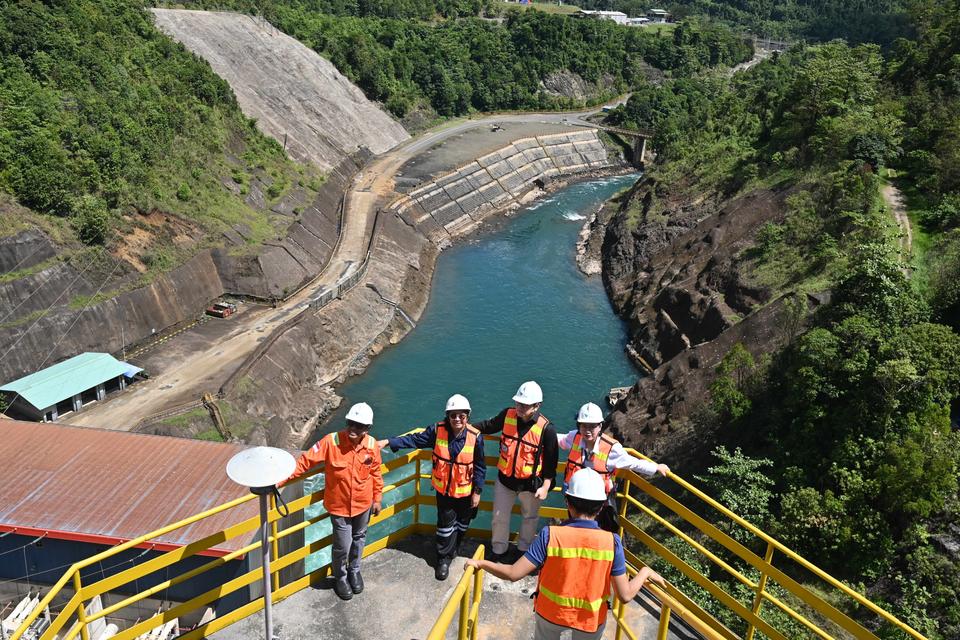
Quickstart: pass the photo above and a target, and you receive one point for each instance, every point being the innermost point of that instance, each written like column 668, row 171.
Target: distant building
column 659, row 16
column 617, row 16
column 67, row 386
column 637, row 22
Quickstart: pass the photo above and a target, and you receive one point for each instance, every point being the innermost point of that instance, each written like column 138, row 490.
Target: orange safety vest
column 574, row 582
column 599, row 462
column 520, row 457
column 451, row 477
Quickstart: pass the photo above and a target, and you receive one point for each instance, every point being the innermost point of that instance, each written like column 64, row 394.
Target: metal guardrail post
column 664, row 627
column 464, row 615
column 81, row 609
column 623, row 507
column 758, row 598
column 477, row 594
column 275, row 545
column 416, row 495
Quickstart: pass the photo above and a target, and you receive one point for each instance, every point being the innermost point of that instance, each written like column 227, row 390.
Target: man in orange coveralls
column 352, row 492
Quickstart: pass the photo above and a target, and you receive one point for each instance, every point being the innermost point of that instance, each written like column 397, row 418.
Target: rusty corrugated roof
column 88, row 484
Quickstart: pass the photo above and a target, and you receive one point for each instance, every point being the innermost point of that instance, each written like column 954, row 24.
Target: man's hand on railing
column 663, row 470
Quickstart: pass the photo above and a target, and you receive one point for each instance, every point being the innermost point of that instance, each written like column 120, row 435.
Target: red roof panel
column 113, row 486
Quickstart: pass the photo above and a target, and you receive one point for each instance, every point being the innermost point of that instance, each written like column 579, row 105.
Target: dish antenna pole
column 260, row 469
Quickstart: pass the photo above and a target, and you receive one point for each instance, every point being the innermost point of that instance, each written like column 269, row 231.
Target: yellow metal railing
column 643, row 508
column 465, row 599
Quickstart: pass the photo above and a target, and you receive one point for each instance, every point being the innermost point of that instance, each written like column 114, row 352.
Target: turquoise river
column 507, row 305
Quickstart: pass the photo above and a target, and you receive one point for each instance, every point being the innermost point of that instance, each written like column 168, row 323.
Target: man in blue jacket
column 458, row 474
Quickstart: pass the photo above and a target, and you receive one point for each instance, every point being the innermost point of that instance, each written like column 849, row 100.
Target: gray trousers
column 546, row 630
column 349, row 536
column 503, row 499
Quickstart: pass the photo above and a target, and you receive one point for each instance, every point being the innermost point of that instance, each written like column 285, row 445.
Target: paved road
column 195, row 364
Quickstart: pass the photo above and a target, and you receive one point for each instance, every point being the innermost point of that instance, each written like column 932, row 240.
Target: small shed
column 659, row 15
column 67, row 386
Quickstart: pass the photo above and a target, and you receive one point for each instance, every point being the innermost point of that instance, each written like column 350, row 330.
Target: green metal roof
column 66, row 379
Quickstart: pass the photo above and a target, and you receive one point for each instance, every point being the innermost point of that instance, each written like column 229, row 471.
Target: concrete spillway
column 290, row 90
column 455, row 202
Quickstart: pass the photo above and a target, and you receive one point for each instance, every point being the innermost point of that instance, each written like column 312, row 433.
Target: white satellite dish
column 260, row 467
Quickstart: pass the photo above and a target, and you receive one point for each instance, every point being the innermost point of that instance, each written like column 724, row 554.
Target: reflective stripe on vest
column 598, row 463
column 574, row 581
column 523, row 451
column 368, row 441
column 453, row 478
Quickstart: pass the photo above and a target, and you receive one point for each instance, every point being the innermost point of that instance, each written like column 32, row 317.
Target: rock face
column 294, row 94
column 567, row 84
column 672, row 270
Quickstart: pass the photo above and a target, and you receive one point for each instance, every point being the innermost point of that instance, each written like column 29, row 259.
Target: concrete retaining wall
column 63, row 332
column 455, row 202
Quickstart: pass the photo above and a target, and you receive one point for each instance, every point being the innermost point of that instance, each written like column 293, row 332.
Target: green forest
column 102, row 115
column 844, row 438
column 454, row 67
column 845, row 435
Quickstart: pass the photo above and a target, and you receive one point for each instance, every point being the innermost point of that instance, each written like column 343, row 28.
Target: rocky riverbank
column 674, row 270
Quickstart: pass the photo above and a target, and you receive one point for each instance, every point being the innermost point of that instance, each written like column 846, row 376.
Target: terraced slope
column 294, row 94
column 455, row 202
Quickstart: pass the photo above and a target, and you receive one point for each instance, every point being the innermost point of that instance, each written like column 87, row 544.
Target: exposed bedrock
column 673, row 270
column 295, row 95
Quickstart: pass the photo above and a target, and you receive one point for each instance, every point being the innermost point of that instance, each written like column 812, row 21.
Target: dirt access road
column 199, row 361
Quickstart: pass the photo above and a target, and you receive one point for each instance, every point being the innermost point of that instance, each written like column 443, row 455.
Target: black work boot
column 442, row 569
column 356, row 581
column 343, row 589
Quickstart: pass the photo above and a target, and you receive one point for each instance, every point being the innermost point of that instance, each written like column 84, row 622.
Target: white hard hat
column 360, row 412
column 458, row 402
column 590, row 413
column 529, row 393
column 587, row 484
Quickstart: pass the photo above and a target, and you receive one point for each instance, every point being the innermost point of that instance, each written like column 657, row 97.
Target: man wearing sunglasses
column 353, row 489
column 527, row 467
column 459, row 471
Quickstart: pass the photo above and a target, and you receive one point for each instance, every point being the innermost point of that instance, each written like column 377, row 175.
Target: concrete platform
column 402, row 600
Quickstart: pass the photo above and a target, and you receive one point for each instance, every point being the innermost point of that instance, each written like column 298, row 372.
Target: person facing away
column 578, row 561
column 592, row 449
column 459, row 471
column 527, row 467
column 353, row 490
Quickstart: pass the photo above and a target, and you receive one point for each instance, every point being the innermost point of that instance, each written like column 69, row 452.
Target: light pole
column 260, row 469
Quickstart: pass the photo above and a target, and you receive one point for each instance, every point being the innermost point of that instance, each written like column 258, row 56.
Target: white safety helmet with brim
column 457, row 402
column 587, row 484
column 529, row 393
column 590, row 413
column 361, row 413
